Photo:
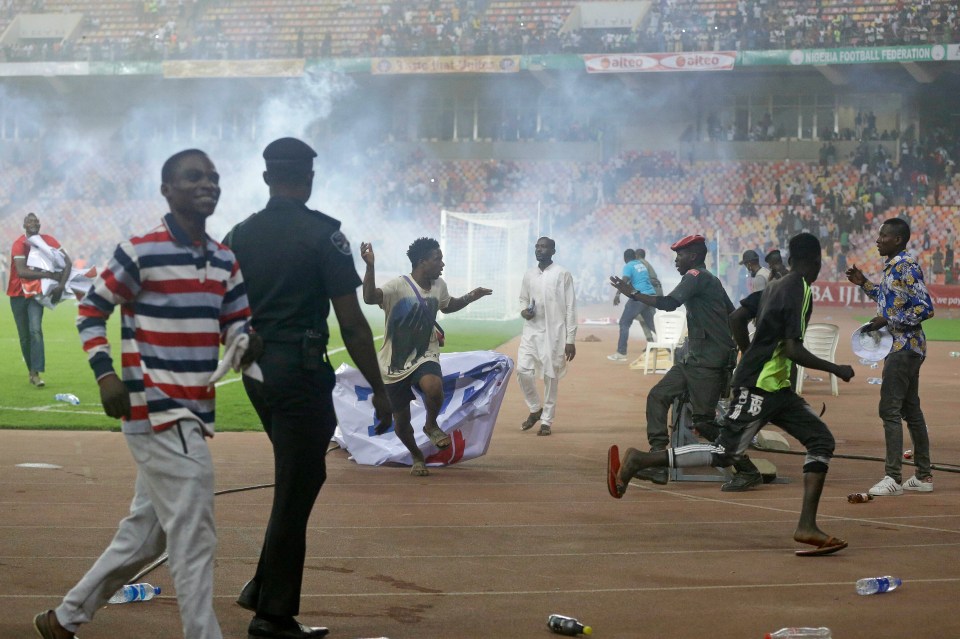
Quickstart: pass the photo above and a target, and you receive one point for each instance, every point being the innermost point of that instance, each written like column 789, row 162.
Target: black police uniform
column 294, row 260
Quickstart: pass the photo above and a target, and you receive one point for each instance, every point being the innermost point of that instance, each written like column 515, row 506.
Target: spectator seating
column 97, row 203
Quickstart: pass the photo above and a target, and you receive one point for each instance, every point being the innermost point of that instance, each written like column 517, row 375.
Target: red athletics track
column 491, row 547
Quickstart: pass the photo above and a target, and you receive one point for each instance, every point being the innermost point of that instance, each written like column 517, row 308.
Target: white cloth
column 475, row 383
column 237, row 345
column 44, row 257
column 554, row 324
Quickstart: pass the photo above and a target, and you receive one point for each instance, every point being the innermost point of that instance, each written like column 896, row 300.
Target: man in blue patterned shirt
column 902, row 304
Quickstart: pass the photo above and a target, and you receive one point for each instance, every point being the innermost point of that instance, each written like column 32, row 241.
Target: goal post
column 489, row 250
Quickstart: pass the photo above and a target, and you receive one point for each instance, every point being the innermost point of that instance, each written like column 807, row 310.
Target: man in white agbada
column 547, row 342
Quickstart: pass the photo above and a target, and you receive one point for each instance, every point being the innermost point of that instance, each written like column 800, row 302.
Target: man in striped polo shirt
column 180, row 294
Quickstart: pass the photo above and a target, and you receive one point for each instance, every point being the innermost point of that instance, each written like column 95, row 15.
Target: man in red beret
column 703, row 370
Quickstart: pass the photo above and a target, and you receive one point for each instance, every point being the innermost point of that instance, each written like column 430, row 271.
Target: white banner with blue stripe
column 474, row 384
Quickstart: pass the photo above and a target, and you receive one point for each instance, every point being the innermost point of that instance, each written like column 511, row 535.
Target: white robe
column 554, row 324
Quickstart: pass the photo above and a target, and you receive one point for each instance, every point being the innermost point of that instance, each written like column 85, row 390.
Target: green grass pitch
column 24, row 406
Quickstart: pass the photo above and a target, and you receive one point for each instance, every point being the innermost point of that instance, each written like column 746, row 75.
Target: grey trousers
column 172, row 510
column 900, row 401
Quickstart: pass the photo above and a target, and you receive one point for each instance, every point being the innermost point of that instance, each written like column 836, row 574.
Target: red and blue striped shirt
column 179, row 300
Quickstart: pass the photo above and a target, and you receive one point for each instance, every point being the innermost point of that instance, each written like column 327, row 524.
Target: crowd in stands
column 244, row 29
column 635, row 199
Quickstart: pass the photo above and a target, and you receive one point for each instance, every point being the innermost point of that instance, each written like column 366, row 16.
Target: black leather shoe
column 249, row 596
column 288, row 629
column 707, row 430
column 656, row 475
column 741, row 482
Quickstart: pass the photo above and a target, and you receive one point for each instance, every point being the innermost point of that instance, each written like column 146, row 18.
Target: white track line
column 553, row 592
column 51, row 409
column 787, row 510
column 618, row 553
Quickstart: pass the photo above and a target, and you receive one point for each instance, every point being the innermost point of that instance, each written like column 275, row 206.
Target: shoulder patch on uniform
column 693, row 272
column 341, row 242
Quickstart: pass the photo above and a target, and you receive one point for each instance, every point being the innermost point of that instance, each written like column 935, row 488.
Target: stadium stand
column 241, row 29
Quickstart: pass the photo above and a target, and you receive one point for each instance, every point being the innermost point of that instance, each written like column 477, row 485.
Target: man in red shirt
column 28, row 312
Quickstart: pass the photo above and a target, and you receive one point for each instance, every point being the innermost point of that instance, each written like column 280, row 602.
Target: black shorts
column 751, row 408
column 401, row 393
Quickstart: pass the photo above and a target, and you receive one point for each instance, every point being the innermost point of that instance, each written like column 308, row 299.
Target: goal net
column 489, row 250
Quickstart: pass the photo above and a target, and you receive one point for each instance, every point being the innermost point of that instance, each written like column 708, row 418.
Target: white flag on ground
column 44, row 257
column 474, row 385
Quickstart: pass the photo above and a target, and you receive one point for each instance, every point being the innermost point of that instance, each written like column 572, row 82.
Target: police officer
column 296, row 263
column 710, row 356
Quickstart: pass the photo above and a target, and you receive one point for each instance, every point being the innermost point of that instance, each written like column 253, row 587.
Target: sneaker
column 887, row 486
column 544, row 430
column 742, row 482
column 48, row 627
column 919, row 485
column 617, row 357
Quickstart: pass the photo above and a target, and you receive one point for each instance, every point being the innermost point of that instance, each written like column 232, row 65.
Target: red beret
column 689, row 240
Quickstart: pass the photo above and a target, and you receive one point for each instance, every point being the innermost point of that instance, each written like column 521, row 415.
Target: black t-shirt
column 785, row 309
column 293, row 260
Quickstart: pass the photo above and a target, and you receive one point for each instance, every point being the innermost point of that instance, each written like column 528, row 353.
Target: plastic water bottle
column 954, row 353
column 69, row 398
column 567, row 626
column 875, row 380
column 135, row 592
column 807, row 633
column 877, row 585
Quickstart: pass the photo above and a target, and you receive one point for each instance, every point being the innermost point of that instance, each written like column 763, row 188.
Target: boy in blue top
column 636, row 272
column 902, row 304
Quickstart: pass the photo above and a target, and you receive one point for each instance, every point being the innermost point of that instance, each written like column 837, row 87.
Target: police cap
column 288, row 150
column 774, row 254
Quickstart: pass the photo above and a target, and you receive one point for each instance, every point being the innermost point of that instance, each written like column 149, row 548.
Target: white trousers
column 172, row 510
column 528, row 383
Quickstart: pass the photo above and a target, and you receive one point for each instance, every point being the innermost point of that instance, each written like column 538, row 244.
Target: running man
column 762, row 393
column 410, row 355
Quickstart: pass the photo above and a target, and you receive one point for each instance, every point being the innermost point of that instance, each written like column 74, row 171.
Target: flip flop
column 830, row 546
column 614, row 487
column 438, row 438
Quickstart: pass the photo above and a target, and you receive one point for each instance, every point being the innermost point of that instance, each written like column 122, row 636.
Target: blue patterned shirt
column 902, row 298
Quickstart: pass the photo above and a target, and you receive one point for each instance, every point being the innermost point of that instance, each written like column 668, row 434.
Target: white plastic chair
column 821, row 340
column 669, row 327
